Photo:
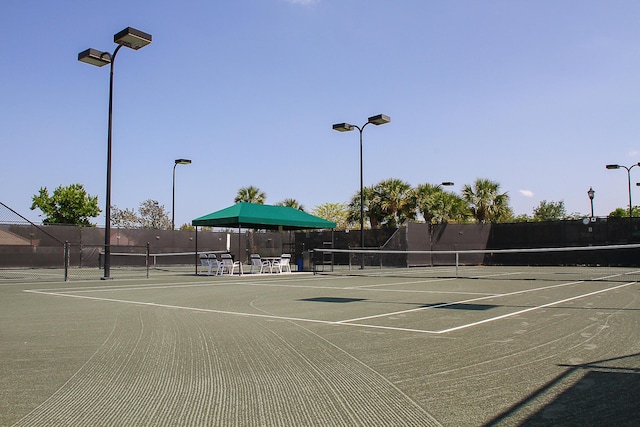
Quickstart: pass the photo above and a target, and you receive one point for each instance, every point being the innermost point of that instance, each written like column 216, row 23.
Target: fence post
column 66, row 261
column 146, row 258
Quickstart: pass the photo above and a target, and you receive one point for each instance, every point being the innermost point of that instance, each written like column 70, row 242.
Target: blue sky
column 536, row 95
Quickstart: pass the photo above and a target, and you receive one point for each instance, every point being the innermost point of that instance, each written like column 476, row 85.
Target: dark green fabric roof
column 250, row 215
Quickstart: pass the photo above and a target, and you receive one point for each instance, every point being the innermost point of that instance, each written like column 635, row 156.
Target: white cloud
column 526, row 193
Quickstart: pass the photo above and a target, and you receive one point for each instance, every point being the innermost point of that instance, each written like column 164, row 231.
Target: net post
column 66, row 260
column 457, row 262
column 146, row 258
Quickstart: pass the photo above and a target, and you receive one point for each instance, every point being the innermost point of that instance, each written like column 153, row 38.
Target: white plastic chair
column 209, row 262
column 283, row 264
column 258, row 263
column 205, row 264
column 229, row 265
column 214, row 263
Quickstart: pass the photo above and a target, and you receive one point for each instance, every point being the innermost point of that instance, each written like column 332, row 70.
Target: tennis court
column 414, row 347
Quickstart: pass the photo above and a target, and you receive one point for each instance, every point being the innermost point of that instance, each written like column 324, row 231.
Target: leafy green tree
column 486, row 202
column 250, row 194
column 549, row 211
column 522, row 218
column 336, row 212
column 67, row 205
column 154, row 216
column 151, row 215
column 291, row 203
column 126, row 218
column 624, row 212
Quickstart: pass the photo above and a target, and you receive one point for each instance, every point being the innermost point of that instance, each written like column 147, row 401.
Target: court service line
column 179, row 307
column 447, row 304
column 232, row 313
column 524, row 291
column 504, row 316
column 351, row 322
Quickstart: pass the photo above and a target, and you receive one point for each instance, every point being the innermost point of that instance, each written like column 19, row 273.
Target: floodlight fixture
column 447, row 184
column 183, row 162
column 378, row 120
column 343, row 127
column 132, row 38
column 613, row 166
column 95, row 57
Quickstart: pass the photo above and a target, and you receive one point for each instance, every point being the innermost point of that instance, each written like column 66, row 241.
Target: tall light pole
column 380, row 119
column 591, row 195
column 173, row 200
column 629, row 180
column 133, row 39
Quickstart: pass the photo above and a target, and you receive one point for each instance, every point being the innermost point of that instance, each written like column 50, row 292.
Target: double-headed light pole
column 133, row 39
column 173, row 199
column 380, row 119
column 629, row 180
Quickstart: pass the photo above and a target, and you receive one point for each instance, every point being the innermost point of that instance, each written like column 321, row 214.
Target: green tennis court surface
column 304, row 350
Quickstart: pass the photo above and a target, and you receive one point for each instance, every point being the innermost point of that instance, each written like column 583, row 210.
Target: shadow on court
column 442, row 305
column 604, row 392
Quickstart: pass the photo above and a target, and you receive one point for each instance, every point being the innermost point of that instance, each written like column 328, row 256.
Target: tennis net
column 170, row 261
column 611, row 262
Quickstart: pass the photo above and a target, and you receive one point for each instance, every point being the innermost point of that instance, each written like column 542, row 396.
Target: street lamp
column 173, row 203
column 629, row 180
column 133, row 39
column 591, row 195
column 378, row 120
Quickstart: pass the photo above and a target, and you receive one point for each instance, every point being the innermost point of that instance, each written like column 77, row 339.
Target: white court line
column 347, row 322
column 271, row 282
column 469, row 325
column 413, row 282
column 446, row 304
column 232, row 313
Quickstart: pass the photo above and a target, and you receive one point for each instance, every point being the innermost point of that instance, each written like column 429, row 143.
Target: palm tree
column 250, row 194
column 292, row 203
column 450, row 207
column 425, row 196
column 439, row 206
column 486, row 201
column 372, row 209
column 396, row 201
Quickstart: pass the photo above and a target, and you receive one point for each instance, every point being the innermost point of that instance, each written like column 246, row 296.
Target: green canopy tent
column 261, row 217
